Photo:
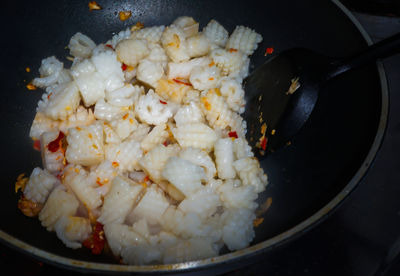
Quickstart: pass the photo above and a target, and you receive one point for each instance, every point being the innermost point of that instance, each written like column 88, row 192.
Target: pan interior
column 303, row 177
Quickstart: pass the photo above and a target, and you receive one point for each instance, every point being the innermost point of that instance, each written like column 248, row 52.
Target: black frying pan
column 308, row 179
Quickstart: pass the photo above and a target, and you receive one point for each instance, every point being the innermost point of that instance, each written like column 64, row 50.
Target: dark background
column 356, row 238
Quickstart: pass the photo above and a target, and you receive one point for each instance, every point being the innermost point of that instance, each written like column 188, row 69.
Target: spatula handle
column 382, row 49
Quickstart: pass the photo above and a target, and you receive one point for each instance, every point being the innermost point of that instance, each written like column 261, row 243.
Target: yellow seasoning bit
column 124, row 15
column 77, row 170
column 130, row 68
column 295, row 84
column 273, row 132
column 257, row 221
column 137, row 26
column 94, row 6
column 68, row 108
column 264, row 207
column 30, row 86
column 207, row 105
column 176, row 42
column 263, row 128
column 21, row 182
column 115, row 164
column 90, row 135
column 94, row 146
column 27, row 69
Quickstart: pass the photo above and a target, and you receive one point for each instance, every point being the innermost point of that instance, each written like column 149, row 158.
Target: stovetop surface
column 355, row 239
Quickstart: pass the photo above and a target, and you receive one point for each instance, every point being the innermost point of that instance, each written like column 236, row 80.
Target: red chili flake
column 233, row 134
column 97, row 240
column 59, row 176
column 181, row 82
column 36, row 145
column 269, row 51
column 124, row 66
column 231, row 50
column 109, row 46
column 55, row 145
column 165, row 143
column 163, row 102
column 146, row 179
column 264, row 143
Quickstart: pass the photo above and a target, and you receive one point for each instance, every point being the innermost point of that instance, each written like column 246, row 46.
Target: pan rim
column 252, row 250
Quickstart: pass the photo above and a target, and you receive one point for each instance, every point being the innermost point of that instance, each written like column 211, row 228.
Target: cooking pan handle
column 382, row 49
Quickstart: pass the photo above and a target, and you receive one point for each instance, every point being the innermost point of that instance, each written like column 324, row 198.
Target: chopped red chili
column 124, row 66
column 165, row 143
column 96, row 240
column 163, row 102
column 264, row 143
column 269, row 51
column 55, row 145
column 181, row 82
column 231, row 50
column 109, row 46
column 36, row 145
column 233, row 134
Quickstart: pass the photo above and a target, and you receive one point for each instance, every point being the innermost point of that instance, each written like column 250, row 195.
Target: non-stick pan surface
column 307, row 179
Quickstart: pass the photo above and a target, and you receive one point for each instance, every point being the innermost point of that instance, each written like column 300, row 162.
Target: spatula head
column 280, row 96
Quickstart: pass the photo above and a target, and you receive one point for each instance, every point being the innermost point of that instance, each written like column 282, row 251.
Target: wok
column 308, row 179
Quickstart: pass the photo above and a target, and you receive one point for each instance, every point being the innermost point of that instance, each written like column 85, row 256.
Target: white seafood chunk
column 154, row 161
column 119, row 200
column 72, row 231
column 223, row 150
column 184, row 175
column 200, row 158
column 250, row 173
column 39, row 186
column 195, row 135
column 216, row 33
column 150, row 110
column 60, row 203
column 81, row 45
column 85, row 145
column 244, row 39
column 131, row 51
column 174, row 42
column 151, row 206
column 183, row 69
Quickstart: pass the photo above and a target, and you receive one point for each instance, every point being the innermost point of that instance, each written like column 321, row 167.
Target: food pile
column 143, row 145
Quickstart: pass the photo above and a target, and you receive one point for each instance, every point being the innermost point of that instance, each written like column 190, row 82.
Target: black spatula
column 287, row 88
